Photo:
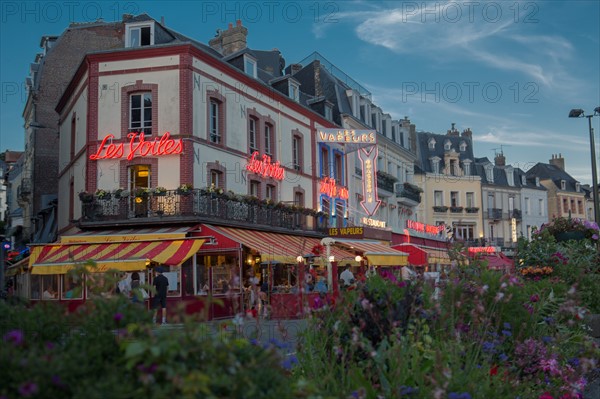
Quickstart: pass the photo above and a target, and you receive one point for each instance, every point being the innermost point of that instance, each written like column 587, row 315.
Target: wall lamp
column 579, row 113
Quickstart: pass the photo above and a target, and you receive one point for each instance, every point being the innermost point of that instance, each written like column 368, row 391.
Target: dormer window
column 510, row 176
column 577, row 187
column 250, row 65
column 435, row 165
column 293, row 90
column 467, row 167
column 328, row 112
column 447, row 145
column 463, row 146
column 563, row 184
column 139, row 34
column 489, row 173
column 524, row 180
column 431, row 144
column 537, row 181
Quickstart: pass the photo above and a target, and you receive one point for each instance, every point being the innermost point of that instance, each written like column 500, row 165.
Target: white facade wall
column 537, row 214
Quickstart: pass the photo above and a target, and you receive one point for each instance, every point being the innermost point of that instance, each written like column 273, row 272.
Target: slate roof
column 424, row 153
column 553, row 173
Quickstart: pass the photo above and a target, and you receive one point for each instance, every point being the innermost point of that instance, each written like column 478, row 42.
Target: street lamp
column 579, row 113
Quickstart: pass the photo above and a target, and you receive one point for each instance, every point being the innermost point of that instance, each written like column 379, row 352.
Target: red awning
column 423, row 256
column 497, row 262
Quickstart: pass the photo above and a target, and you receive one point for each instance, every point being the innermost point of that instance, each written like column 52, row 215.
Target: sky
column 508, row 70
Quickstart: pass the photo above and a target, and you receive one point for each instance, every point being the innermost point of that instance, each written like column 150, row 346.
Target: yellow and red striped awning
column 376, row 253
column 278, row 247
column 124, row 256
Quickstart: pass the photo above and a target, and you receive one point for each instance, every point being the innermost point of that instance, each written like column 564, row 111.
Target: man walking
column 160, row 300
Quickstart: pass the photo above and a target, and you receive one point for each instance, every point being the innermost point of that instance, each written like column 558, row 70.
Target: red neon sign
column 487, row 250
column 329, row 188
column 163, row 145
column 264, row 167
column 425, row 228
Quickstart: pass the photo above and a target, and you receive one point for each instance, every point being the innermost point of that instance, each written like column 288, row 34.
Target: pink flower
column 546, row 395
column 550, row 365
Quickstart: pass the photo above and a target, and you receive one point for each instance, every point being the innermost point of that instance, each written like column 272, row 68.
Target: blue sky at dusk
column 509, row 70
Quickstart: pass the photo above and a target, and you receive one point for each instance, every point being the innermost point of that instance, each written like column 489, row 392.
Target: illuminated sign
column 264, row 167
column 329, row 188
column 368, row 158
column 513, row 223
column 425, row 228
column 346, row 136
column 374, row 222
column 138, row 147
column 347, row 232
column 487, row 250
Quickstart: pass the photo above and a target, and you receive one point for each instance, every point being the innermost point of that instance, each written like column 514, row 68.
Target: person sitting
column 49, row 293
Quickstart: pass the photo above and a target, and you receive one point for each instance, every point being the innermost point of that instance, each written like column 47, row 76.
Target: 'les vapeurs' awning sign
column 137, row 147
column 368, row 158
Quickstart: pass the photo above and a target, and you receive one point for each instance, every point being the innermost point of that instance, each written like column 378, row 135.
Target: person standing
column 161, row 283
column 347, row 277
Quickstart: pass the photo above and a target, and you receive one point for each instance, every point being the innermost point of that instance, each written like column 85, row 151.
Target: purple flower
column 56, row 380
column 534, row 298
column 28, row 389
column 506, row 333
column 16, row 337
column 456, row 395
column 50, row 345
column 407, row 391
column 289, row 362
column 503, row 357
column 118, row 317
column 507, row 326
column 594, row 236
column 574, row 362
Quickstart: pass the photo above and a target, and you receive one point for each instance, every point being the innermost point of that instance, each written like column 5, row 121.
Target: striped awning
column 124, row 256
column 130, row 235
column 376, row 253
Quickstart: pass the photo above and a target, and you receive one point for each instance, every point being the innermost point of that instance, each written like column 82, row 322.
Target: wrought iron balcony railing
column 494, row 213
column 203, row 206
column 516, row 213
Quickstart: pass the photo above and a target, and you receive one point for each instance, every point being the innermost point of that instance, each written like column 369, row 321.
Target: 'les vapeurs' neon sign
column 138, row 147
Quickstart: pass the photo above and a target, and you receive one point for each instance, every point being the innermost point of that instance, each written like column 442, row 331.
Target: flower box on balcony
column 456, row 209
column 86, row 198
column 440, row 209
column 471, row 209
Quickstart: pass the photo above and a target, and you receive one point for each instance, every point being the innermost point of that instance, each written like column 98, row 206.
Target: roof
column 425, row 153
column 549, row 172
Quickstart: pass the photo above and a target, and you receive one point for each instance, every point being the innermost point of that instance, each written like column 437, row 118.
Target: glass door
column 139, row 186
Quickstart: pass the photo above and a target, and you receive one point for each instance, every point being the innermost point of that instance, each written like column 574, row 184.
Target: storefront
column 430, row 259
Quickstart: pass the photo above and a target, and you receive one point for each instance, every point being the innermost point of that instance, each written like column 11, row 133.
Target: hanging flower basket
column 569, row 235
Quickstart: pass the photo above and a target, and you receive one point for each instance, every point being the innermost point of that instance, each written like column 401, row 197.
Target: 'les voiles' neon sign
column 138, row 147
column 264, row 167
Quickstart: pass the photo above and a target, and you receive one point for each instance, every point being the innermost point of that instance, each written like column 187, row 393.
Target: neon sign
column 487, row 250
column 374, row 222
column 346, row 136
column 371, row 202
column 264, row 167
column 138, row 147
column 329, row 188
column 425, row 228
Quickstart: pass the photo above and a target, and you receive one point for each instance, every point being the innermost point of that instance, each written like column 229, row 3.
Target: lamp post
column 579, row 113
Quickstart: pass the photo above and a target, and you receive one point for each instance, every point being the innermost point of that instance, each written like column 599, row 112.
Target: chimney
column 558, row 161
column 467, row 133
column 162, row 21
column 500, row 159
column 230, row 41
column 452, row 132
column 317, row 70
column 295, row 68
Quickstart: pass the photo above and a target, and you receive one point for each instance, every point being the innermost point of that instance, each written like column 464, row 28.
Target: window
column 527, row 206
column 297, row 150
column 577, row 187
column 399, row 174
column 489, row 173
column 491, row 201
column 435, row 165
column 214, row 125
column 438, row 199
column 339, row 170
column 454, row 167
column 324, row 161
column 541, row 207
column 252, row 137
column 402, row 141
column 563, row 185
column 537, row 181
column 393, row 133
column 71, row 289
column 73, row 135
column 294, row 91
column 463, row 146
column 467, row 167
column 565, row 205
column 249, row 65
column 580, row 206
column 380, row 164
column 523, row 180
column 470, row 200
column 255, row 188
column 453, row 198
column 140, row 113
column 447, row 145
column 139, row 35
column 298, row 198
column 430, row 144
column 271, row 193
column 511, row 204
column 268, row 140
column 328, row 112
column 216, row 178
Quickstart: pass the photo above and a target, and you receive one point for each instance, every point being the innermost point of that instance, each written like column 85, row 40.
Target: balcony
column 408, row 194
column 24, row 190
column 456, row 209
column 494, row 214
column 516, row 213
column 385, row 181
column 196, row 206
column 440, row 209
column 471, row 209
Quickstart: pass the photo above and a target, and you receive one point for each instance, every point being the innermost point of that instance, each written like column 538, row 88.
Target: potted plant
column 142, row 192
column 567, row 228
column 160, row 191
column 102, row 194
column 185, row 189
column 86, row 197
column 472, row 209
column 441, row 208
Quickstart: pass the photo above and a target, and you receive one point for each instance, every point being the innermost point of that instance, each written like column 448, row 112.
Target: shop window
column 188, row 278
column 44, row 287
column 140, row 113
column 225, row 273
column 102, row 285
column 71, row 287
